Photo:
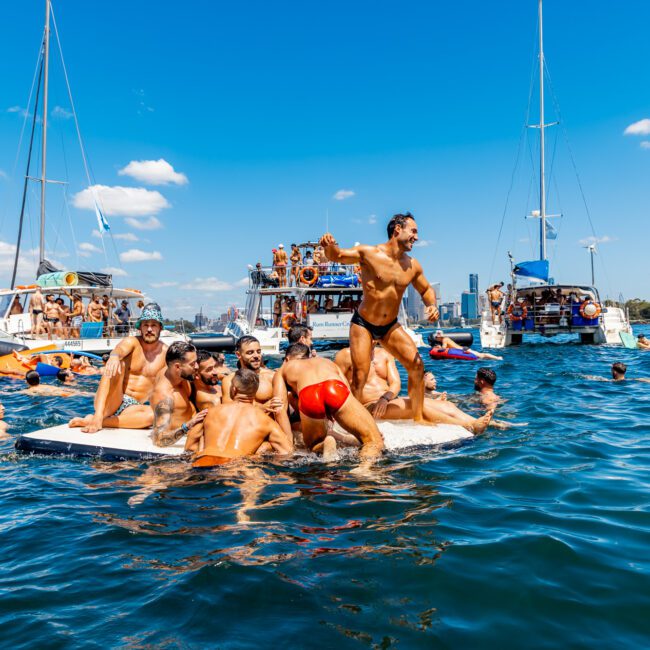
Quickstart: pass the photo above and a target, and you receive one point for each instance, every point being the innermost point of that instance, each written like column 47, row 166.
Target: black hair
column 297, row 351
column 106, row 357
column 246, row 381
column 297, row 332
column 58, row 361
column 203, row 355
column 619, row 368
column 243, row 340
column 488, row 375
column 177, row 351
column 220, row 358
column 33, row 378
column 62, row 374
column 398, row 220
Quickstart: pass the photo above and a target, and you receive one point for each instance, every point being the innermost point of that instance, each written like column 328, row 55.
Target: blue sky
column 261, row 112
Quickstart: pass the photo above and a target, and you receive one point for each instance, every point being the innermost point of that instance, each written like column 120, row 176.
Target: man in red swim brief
column 323, row 395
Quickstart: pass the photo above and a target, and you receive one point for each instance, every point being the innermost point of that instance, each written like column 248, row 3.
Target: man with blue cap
column 129, row 377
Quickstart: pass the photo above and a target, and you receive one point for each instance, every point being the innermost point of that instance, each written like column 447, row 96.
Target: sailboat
column 534, row 303
column 17, row 325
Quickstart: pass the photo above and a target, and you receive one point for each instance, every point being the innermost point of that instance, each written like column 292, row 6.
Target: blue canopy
column 534, row 269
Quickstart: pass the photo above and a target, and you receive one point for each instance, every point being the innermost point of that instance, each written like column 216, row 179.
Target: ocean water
column 537, row 536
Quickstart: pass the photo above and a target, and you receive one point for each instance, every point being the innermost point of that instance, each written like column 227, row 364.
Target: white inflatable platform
column 136, row 444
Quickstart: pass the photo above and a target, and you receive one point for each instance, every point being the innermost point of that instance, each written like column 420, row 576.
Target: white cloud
column 120, row 201
column 123, row 236
column 588, row 241
column 341, row 195
column 136, row 255
column 421, row 243
column 152, row 223
column 114, row 270
column 89, row 248
column 209, row 285
column 4, row 175
column 162, row 285
column 372, row 219
column 642, row 127
column 62, row 113
column 644, row 145
column 153, row 172
column 23, row 112
column 242, row 283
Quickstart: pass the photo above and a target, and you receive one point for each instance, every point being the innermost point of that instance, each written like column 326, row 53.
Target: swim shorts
column 127, row 401
column 376, row 331
column 210, row 461
column 323, row 400
column 76, row 321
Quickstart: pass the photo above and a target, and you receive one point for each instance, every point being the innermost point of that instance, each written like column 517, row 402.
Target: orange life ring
column 313, row 270
column 134, row 290
column 596, row 311
column 288, row 320
column 26, row 286
column 514, row 316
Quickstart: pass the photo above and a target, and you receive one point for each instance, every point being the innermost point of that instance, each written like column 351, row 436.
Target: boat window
column 5, row 303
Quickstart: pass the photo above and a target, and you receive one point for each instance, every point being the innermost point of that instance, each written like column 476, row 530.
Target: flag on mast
column 102, row 224
column 551, row 233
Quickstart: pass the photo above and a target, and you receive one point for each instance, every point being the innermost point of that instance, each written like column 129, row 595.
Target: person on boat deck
column 206, row 391
column 329, row 304
column 323, row 395
column 281, row 259
column 382, row 389
column 386, row 272
column 122, row 315
column 36, row 311
column 76, row 315
column 95, row 310
column 249, row 355
column 312, row 305
column 51, row 315
column 129, row 377
column 277, row 311
column 238, row 428
column 495, row 296
column 642, row 342
column 295, row 259
column 308, row 259
column 484, row 385
column 445, row 343
column 64, row 312
column 16, row 307
column 174, row 414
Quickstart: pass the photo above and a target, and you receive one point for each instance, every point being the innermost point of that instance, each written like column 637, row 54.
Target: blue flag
column 102, row 224
column 537, row 269
column 551, row 233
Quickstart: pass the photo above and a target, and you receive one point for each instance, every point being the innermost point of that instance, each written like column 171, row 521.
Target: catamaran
column 17, row 327
column 534, row 303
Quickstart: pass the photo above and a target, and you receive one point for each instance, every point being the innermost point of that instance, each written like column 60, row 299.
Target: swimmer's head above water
column 297, row 351
column 485, row 378
column 245, row 382
column 618, row 371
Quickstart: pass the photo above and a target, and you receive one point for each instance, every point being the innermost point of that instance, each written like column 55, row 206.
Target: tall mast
column 46, row 59
column 542, row 179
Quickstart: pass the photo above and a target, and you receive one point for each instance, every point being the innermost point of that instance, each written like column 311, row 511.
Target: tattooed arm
column 163, row 435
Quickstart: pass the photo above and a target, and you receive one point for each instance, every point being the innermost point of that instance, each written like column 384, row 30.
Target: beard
column 187, row 374
column 150, row 337
column 209, row 380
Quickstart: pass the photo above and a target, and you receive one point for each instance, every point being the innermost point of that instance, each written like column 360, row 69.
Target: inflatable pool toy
column 453, row 353
column 628, row 340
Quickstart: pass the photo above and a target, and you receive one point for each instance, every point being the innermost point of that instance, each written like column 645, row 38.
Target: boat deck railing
column 556, row 315
column 297, row 275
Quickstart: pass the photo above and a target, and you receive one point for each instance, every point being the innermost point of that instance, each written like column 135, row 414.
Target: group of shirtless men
column 259, row 410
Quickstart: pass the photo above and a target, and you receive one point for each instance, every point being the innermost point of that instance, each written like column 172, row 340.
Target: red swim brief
column 322, row 400
column 210, row 461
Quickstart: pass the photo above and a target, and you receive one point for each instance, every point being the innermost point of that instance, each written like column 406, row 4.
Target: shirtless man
column 76, row 316
column 386, row 272
column 446, row 343
column 16, row 307
column 381, row 395
column 238, row 428
column 64, row 311
column 51, row 315
column 174, row 415
column 129, row 378
column 495, row 296
column 206, row 391
column 34, row 387
column 280, row 262
column 36, row 310
column 249, row 355
column 484, row 385
column 95, row 310
column 78, row 366
column 295, row 259
column 642, row 342
column 323, row 395
column 302, row 334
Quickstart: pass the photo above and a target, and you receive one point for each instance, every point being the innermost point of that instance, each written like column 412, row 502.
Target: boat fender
column 466, row 339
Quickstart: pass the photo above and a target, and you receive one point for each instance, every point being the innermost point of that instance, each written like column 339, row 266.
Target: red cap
column 274, row 250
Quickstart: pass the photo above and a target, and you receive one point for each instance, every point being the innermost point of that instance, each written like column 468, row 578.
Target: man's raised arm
column 336, row 254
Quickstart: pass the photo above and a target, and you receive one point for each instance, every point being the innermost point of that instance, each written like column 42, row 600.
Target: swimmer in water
column 238, row 428
column 642, row 342
column 619, row 371
column 445, row 343
column 323, row 395
column 484, row 385
column 34, row 387
column 386, row 271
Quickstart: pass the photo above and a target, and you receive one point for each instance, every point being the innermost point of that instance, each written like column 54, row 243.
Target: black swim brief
column 50, row 320
column 36, row 312
column 376, row 331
